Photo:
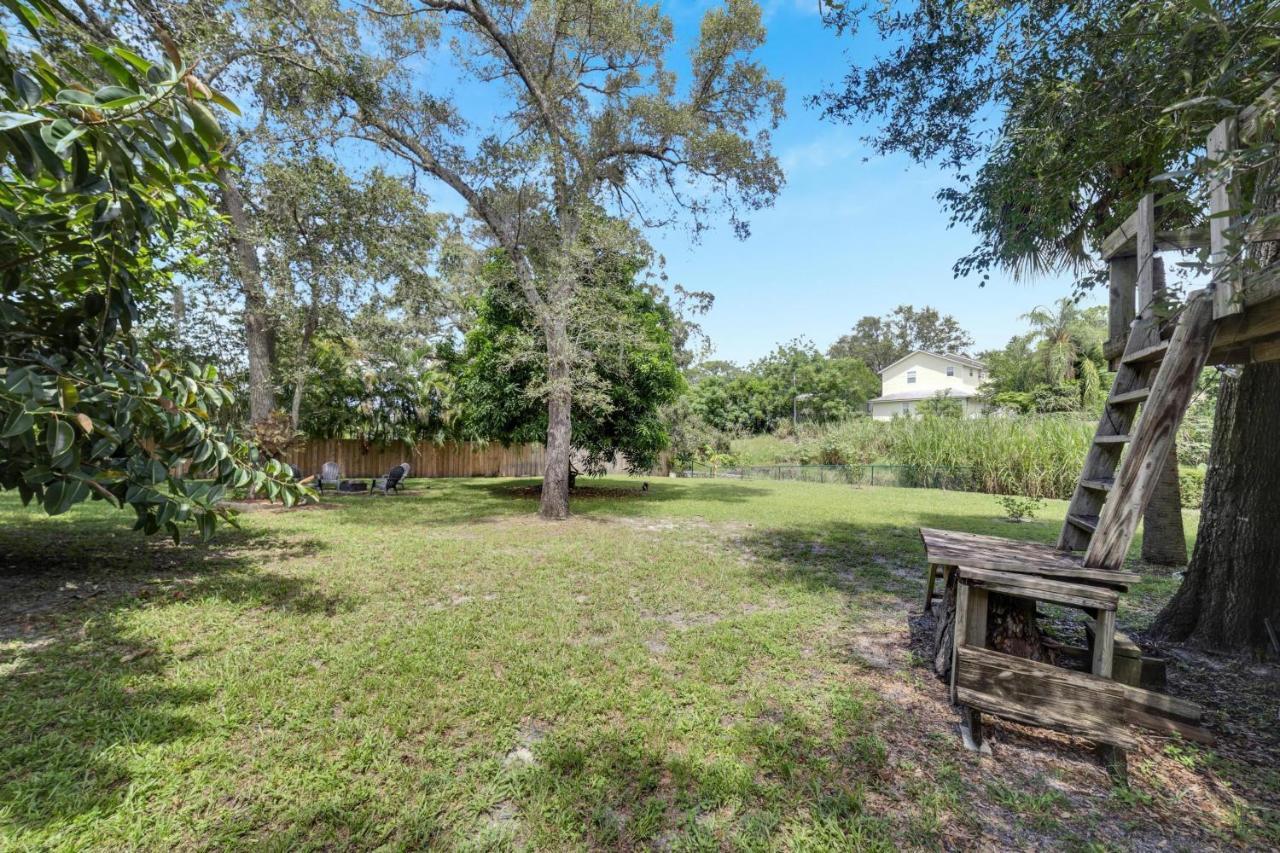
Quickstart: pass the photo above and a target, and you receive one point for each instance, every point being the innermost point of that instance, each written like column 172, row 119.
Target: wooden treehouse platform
column 1158, row 351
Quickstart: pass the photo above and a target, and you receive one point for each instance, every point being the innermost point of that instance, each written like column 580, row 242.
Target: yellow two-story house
column 921, row 375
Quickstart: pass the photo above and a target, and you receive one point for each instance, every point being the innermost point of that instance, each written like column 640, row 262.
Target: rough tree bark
column 300, row 378
column 257, row 326
column 1233, row 581
column 1164, row 541
column 555, row 477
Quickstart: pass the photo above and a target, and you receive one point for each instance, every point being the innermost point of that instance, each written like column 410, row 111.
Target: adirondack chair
column 392, row 482
column 330, row 475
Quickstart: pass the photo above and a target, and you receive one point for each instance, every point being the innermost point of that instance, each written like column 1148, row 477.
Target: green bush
column 1191, row 486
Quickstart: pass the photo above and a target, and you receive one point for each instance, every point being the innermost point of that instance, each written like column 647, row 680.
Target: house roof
column 946, row 356
column 908, row 396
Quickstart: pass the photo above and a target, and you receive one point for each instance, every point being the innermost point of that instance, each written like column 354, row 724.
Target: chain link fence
column 953, row 478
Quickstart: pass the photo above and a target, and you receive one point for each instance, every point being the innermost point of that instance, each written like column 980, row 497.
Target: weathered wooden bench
column 1096, row 705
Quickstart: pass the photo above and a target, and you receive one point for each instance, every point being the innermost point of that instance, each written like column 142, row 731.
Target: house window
column 951, row 370
column 906, row 408
column 911, row 377
column 971, row 374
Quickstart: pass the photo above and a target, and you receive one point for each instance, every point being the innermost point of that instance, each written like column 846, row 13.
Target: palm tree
column 1066, row 333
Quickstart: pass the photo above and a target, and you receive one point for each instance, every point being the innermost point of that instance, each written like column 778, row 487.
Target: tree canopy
column 1054, row 118
column 880, row 341
column 106, row 158
column 631, row 328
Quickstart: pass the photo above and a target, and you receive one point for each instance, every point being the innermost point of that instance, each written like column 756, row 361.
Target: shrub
column 1018, row 508
column 1191, row 486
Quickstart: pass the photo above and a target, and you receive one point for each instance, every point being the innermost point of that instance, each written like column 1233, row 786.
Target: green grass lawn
column 709, row 664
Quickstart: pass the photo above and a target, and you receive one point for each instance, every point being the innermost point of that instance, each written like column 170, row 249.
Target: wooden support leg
column 958, row 635
column 1104, row 642
column 1104, row 638
column 928, row 589
column 971, row 732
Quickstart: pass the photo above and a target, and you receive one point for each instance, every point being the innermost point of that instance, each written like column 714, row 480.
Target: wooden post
column 928, row 589
column 1223, row 205
column 960, row 631
column 1104, row 640
column 1123, row 276
column 1145, row 259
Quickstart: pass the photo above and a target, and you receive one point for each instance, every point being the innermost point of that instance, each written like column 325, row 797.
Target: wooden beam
column 1223, row 205
column 1163, row 412
column 1145, row 235
column 1123, row 275
column 1259, row 115
column 1104, row 641
column 1076, row 702
column 1042, row 589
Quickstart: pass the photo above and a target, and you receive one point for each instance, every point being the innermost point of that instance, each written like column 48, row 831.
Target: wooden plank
column 1170, row 395
column 1077, row 702
column 1145, row 235
column 1099, row 484
column 1111, row 439
column 963, row 591
column 975, row 624
column 1104, row 643
column 1123, row 275
column 1084, row 522
column 1223, row 205
column 954, row 548
column 1146, row 354
column 1261, row 114
column 1128, row 398
column 1042, row 589
column 1113, row 244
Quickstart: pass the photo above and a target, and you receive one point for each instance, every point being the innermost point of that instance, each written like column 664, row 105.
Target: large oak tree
column 580, row 111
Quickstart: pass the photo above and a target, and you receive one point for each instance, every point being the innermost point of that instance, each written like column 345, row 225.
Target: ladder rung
column 1111, row 439
column 1099, row 484
column 1084, row 522
column 1151, row 353
column 1138, row 396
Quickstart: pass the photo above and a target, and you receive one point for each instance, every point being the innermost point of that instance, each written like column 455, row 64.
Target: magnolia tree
column 580, row 113
column 105, row 156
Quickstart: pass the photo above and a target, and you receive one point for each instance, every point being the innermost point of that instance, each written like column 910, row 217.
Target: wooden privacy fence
column 427, row 459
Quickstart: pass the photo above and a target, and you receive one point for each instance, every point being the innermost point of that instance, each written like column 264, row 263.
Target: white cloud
column 819, row 153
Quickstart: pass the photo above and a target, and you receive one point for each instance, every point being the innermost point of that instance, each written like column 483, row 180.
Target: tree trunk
column 1233, row 581
column 555, row 478
column 1164, row 542
column 300, row 378
column 257, row 326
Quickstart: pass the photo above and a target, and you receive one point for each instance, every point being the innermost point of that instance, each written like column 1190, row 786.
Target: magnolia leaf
column 85, row 422
column 18, row 423
column 10, row 120
column 59, row 437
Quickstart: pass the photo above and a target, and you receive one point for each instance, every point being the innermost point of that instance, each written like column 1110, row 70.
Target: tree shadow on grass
column 619, row 498
column 80, row 692
column 621, row 790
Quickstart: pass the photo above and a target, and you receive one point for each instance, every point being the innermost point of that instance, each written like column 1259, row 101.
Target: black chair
column 392, row 482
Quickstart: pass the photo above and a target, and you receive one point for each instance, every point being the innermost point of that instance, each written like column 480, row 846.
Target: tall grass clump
column 1036, row 456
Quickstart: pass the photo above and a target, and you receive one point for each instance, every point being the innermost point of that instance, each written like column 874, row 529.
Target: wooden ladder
column 1155, row 376
column 1154, row 383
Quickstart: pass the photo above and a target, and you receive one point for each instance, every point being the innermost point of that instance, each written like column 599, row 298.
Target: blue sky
column 848, row 236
